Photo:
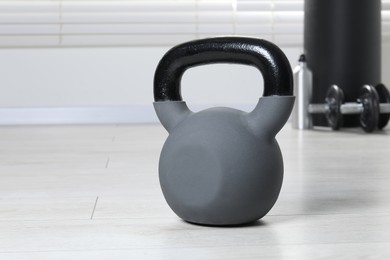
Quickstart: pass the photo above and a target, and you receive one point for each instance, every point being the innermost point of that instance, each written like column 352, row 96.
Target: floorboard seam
column 94, row 207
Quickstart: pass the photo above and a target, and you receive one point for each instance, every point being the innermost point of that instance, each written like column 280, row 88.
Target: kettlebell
column 222, row 166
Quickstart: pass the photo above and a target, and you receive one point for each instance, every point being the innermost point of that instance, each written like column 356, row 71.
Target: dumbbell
column 373, row 105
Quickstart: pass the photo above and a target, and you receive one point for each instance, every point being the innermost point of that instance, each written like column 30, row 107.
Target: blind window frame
column 105, row 23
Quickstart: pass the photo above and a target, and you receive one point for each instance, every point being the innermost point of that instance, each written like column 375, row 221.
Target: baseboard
column 77, row 115
column 86, row 115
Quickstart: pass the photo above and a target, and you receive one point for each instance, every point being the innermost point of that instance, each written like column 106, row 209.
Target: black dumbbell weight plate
column 370, row 114
column 384, row 97
column 334, row 99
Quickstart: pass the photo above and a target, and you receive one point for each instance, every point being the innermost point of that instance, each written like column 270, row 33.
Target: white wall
column 110, row 85
column 77, row 77
column 97, row 85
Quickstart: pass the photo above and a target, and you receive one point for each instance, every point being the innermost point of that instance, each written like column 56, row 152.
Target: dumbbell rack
column 373, row 106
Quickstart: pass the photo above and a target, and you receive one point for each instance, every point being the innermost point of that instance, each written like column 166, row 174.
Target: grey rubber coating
column 222, row 166
column 264, row 55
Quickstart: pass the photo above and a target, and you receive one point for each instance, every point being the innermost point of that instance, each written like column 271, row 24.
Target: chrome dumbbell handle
column 318, row 108
column 346, row 108
column 384, row 108
column 351, row 108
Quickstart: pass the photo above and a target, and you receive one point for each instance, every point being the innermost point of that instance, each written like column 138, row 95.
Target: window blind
column 67, row 23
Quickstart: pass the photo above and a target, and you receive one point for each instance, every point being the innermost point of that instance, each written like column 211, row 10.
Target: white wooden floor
column 92, row 192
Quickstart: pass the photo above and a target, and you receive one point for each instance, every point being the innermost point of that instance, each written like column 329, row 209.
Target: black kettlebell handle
column 264, row 55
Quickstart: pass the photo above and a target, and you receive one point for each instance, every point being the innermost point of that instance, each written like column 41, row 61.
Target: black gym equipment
column 342, row 43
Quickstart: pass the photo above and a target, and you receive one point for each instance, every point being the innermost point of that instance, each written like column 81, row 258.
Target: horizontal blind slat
column 133, row 17
column 288, row 17
column 254, row 29
column 253, row 17
column 127, row 6
column 386, row 28
column 28, row 41
column 29, row 18
column 207, row 5
column 28, row 29
column 385, row 5
column 288, row 6
column 216, row 28
column 128, row 28
column 386, row 16
column 29, row 6
column 265, row 36
column 254, row 6
column 288, row 29
column 288, row 40
column 215, row 17
column 124, row 40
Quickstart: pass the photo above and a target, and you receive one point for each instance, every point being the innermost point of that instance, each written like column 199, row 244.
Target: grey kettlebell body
column 222, row 166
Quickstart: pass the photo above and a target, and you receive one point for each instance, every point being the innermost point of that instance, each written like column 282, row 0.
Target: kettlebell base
column 243, row 224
